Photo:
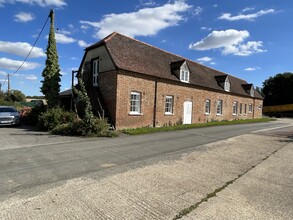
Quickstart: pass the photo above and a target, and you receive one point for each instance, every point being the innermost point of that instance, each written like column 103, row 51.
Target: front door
column 187, row 112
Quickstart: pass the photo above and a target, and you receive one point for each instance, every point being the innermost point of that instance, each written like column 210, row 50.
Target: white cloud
column 247, row 9
column 31, row 77
column 229, row 42
column 244, row 49
column 204, row 59
column 147, row 3
column 250, row 17
column 197, row 11
column 24, row 17
column 21, row 49
column 252, row 68
column 42, row 3
column 63, row 39
column 83, row 44
column 64, row 32
column 6, row 63
column 2, row 73
column 144, row 22
column 206, row 28
column 218, row 39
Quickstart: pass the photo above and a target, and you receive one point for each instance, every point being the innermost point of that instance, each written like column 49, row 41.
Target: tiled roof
column 136, row 56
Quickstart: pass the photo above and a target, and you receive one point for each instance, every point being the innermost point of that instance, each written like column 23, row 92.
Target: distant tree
column 51, row 73
column 258, row 89
column 17, row 96
column 278, row 90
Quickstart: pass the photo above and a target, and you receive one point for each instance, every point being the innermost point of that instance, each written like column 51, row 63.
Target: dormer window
column 180, row 70
column 249, row 89
column 252, row 92
column 184, row 73
column 224, row 82
column 184, row 76
column 227, row 85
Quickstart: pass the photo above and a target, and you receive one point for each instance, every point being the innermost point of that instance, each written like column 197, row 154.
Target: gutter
column 155, row 105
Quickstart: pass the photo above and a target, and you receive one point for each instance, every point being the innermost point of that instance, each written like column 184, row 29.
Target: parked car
column 9, row 116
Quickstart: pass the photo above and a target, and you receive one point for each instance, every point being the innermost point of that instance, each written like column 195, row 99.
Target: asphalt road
column 29, row 159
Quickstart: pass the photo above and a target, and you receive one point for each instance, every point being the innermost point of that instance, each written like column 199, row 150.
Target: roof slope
column 136, row 56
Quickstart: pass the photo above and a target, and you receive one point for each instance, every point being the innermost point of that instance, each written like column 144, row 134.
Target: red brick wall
column 128, row 82
column 125, row 85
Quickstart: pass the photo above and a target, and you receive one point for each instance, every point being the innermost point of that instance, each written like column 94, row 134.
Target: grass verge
column 147, row 130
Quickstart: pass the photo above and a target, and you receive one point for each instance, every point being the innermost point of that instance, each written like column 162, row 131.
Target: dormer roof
column 221, row 78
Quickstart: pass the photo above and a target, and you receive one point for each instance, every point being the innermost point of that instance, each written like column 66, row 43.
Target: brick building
column 134, row 84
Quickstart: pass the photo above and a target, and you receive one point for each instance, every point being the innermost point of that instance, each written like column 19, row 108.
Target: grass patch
column 147, row 130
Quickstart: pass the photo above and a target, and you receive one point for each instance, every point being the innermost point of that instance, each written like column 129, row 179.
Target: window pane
column 235, row 106
column 169, row 104
column 207, row 106
column 219, row 107
column 135, row 102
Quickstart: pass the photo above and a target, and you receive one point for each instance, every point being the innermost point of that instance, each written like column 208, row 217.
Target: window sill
column 207, row 113
column 135, row 113
column 168, row 114
column 219, row 114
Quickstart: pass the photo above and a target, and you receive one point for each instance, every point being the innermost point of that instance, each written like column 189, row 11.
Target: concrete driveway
column 25, row 136
column 206, row 174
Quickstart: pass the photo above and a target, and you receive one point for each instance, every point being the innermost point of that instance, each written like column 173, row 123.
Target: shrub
column 54, row 117
column 79, row 128
column 30, row 116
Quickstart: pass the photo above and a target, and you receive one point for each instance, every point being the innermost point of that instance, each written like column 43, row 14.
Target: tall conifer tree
column 51, row 73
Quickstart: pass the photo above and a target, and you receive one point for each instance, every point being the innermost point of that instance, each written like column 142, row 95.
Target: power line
column 23, row 62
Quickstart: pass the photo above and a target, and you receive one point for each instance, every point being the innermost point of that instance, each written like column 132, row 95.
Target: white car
column 9, row 116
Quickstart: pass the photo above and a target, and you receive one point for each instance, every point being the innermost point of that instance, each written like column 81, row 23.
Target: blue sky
column 249, row 39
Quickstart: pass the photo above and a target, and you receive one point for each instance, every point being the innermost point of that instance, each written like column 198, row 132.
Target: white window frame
column 235, row 107
column 219, row 107
column 135, row 103
column 169, row 100
column 95, row 72
column 207, row 107
column 227, row 86
column 252, row 92
column 184, row 76
column 249, row 108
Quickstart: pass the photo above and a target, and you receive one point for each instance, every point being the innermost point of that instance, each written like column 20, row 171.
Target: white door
column 187, row 112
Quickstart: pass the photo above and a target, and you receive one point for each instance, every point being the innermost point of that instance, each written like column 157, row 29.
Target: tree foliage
column 17, row 96
column 51, row 73
column 88, row 116
column 14, row 96
column 278, row 90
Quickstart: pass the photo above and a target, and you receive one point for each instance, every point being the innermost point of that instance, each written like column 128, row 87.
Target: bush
column 30, row 116
column 79, row 128
column 54, row 117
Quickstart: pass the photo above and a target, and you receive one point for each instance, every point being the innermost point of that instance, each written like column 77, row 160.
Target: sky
column 250, row 39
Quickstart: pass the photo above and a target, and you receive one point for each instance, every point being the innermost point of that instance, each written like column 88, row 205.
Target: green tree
column 17, row 96
column 278, row 90
column 88, row 116
column 51, row 73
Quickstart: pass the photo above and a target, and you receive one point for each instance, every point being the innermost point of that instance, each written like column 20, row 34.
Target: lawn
column 147, row 130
